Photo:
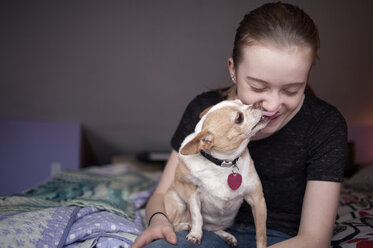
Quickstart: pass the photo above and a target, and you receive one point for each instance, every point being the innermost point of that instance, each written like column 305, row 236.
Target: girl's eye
column 257, row 89
column 239, row 118
column 290, row 93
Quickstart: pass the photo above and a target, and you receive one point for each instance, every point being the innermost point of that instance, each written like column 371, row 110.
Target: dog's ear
column 203, row 141
column 204, row 112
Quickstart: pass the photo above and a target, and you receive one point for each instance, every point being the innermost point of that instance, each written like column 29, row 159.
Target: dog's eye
column 239, row 118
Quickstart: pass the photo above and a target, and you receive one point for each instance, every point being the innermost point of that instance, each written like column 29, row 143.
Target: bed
column 354, row 223
column 104, row 207
column 96, row 207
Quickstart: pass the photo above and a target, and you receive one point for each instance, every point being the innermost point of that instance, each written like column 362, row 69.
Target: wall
column 33, row 151
column 126, row 69
column 362, row 137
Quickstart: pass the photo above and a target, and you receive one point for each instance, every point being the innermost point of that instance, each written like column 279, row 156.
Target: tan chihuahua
column 216, row 173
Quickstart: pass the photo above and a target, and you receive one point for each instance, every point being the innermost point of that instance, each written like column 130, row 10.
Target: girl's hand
column 159, row 228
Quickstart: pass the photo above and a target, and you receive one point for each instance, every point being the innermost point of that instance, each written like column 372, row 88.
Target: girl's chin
column 267, row 130
column 270, row 129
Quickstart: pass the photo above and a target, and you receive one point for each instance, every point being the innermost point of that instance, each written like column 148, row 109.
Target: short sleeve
column 191, row 114
column 327, row 151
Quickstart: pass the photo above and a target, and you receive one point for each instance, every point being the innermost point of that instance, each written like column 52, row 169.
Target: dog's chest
column 212, row 180
column 219, row 199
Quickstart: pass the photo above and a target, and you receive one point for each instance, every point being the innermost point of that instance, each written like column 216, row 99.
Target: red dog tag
column 234, row 180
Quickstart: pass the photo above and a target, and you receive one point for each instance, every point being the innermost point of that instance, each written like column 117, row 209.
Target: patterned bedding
column 104, row 208
column 354, row 224
column 76, row 209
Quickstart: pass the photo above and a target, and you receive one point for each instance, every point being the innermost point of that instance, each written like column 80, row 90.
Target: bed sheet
column 354, row 224
column 99, row 207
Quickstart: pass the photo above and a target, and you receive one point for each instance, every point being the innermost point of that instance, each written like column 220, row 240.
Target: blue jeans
column 244, row 234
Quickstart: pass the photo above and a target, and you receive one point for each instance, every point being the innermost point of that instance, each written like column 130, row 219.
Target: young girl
column 299, row 156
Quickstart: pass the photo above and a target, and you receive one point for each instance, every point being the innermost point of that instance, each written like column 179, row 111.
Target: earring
column 233, row 78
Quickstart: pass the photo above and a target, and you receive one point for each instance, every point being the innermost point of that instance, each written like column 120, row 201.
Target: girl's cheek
column 247, row 96
column 243, row 97
column 247, row 99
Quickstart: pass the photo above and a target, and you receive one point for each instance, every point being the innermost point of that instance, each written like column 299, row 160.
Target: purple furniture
column 31, row 150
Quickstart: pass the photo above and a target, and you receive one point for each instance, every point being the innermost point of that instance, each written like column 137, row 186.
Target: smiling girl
column 299, row 156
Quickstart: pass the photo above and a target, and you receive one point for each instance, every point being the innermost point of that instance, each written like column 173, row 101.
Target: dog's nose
column 257, row 105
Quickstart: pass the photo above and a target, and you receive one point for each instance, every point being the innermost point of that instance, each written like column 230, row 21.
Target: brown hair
column 280, row 24
column 277, row 23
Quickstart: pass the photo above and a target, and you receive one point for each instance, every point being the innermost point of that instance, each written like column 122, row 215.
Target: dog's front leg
column 259, row 210
column 195, row 233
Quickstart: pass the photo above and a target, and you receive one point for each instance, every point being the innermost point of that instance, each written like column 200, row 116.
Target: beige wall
column 126, row 69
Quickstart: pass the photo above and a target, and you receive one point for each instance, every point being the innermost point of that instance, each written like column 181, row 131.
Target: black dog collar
column 219, row 162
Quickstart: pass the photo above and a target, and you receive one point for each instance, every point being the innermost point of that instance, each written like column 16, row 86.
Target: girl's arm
column 159, row 226
column 319, row 211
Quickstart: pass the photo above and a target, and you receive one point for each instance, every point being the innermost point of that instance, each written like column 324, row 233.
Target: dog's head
column 225, row 127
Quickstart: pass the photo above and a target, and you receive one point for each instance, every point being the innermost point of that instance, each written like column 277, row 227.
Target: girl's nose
column 272, row 103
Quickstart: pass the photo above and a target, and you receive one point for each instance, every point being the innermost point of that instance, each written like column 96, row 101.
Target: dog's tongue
column 268, row 113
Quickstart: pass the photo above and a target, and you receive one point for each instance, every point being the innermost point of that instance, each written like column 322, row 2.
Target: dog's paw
column 227, row 237
column 232, row 241
column 194, row 238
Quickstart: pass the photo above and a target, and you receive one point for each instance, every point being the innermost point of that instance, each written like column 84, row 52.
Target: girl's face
column 274, row 76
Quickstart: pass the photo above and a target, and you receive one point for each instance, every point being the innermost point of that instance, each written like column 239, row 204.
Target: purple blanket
column 68, row 227
column 76, row 210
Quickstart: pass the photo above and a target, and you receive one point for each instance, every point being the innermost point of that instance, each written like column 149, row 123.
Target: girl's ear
column 203, row 141
column 232, row 70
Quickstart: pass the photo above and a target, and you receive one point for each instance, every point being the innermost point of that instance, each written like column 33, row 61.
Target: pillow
column 362, row 180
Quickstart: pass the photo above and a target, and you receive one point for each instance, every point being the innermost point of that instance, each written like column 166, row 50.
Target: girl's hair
column 278, row 24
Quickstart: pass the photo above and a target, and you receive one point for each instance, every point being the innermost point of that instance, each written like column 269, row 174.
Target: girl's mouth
column 274, row 118
column 270, row 116
column 268, row 113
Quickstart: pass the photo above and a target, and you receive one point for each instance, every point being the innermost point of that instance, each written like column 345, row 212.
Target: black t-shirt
column 311, row 146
